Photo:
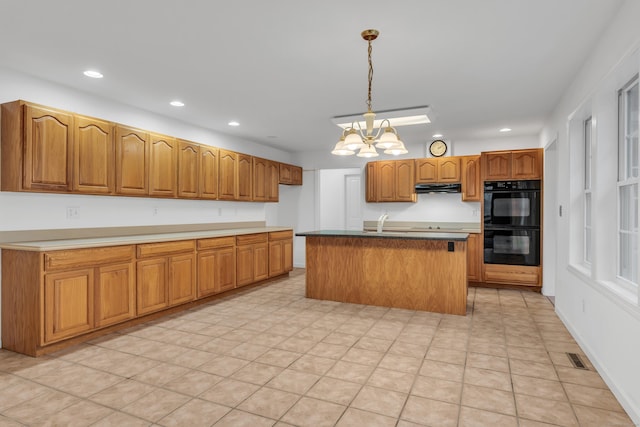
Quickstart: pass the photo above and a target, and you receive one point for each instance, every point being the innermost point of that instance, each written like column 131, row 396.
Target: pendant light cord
column 370, row 76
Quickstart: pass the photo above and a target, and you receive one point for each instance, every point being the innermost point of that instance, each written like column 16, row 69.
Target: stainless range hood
column 438, row 188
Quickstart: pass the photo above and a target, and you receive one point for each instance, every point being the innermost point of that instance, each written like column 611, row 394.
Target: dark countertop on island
column 409, row 235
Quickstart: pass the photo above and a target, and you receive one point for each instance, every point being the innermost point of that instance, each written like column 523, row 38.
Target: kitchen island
column 411, row 270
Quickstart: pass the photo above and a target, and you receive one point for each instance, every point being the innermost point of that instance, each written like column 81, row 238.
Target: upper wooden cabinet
column 163, row 166
column 94, row 156
column 371, row 187
column 49, row 150
column 394, row 181
column 290, row 174
column 228, row 178
column 516, row 164
column 208, row 172
column 265, row 180
column 245, row 176
column 188, row 169
column 471, row 183
column 443, row 169
column 132, row 161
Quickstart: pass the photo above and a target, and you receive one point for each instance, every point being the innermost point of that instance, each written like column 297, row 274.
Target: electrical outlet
column 73, row 212
column 155, row 210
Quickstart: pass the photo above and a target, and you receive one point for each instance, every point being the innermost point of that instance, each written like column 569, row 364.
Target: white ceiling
column 284, row 68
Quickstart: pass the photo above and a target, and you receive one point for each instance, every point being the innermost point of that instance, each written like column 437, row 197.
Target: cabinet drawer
column 512, row 274
column 247, row 239
column 218, row 242
column 73, row 258
column 164, row 248
column 281, row 235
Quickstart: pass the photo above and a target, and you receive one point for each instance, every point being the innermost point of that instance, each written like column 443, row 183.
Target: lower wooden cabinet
column 474, row 258
column 50, row 297
column 167, row 277
column 252, row 258
column 280, row 252
column 216, row 265
column 512, row 274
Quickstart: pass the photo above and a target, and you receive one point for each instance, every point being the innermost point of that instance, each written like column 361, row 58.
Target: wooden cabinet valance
column 49, row 150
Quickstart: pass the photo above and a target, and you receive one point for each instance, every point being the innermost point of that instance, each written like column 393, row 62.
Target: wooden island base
column 389, row 272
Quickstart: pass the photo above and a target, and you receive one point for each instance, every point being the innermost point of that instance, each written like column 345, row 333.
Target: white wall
column 603, row 319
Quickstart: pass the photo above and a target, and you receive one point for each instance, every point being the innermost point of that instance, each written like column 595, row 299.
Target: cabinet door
column 188, row 172
column 285, row 173
column 182, row 279
column 273, row 191
column 385, row 181
column 245, row 177
column 426, row 171
column 208, row 172
column 287, row 254
column 474, row 259
column 228, row 181
column 132, row 161
column 471, row 185
column 449, row 169
column 48, row 149
column 372, row 189
column 276, row 260
column 68, row 304
column 260, row 261
column 244, row 265
column 216, row 271
column 496, row 166
column 163, row 166
column 94, row 156
column 405, row 181
column 296, row 175
column 260, row 169
column 151, row 286
column 526, row 164
column 115, row 292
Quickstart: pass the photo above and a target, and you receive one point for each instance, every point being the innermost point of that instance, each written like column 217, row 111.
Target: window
column 587, row 190
column 628, row 164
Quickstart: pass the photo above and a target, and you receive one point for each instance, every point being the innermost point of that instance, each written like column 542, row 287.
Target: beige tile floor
column 269, row 356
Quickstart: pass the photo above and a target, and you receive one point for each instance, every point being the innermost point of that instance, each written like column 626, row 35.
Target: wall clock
column 438, row 148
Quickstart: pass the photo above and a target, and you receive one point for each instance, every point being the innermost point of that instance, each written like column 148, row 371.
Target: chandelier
column 368, row 139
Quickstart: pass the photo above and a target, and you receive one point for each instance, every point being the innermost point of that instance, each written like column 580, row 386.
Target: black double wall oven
column 512, row 222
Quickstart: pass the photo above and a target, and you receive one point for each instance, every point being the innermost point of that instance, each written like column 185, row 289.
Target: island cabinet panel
column 208, row 172
column 228, row 183
column 216, row 265
column 132, row 161
column 163, row 166
column 48, row 149
column 252, row 258
column 471, row 182
column 68, row 304
column 245, row 177
column 474, row 258
column 425, row 274
column 280, row 252
column 94, row 156
column 188, row 169
column 166, row 275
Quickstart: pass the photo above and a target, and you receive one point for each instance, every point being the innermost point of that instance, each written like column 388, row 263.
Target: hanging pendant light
column 368, row 139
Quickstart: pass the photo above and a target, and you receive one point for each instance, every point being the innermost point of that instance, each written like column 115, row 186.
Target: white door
column 353, row 202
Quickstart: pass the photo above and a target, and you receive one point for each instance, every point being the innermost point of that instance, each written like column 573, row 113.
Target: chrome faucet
column 381, row 221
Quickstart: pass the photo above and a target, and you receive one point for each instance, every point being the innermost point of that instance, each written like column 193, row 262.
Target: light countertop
column 406, row 235
column 93, row 242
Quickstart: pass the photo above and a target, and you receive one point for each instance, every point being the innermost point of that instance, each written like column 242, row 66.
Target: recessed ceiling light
column 233, row 123
column 437, row 135
column 505, row 130
column 93, row 74
column 177, row 103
